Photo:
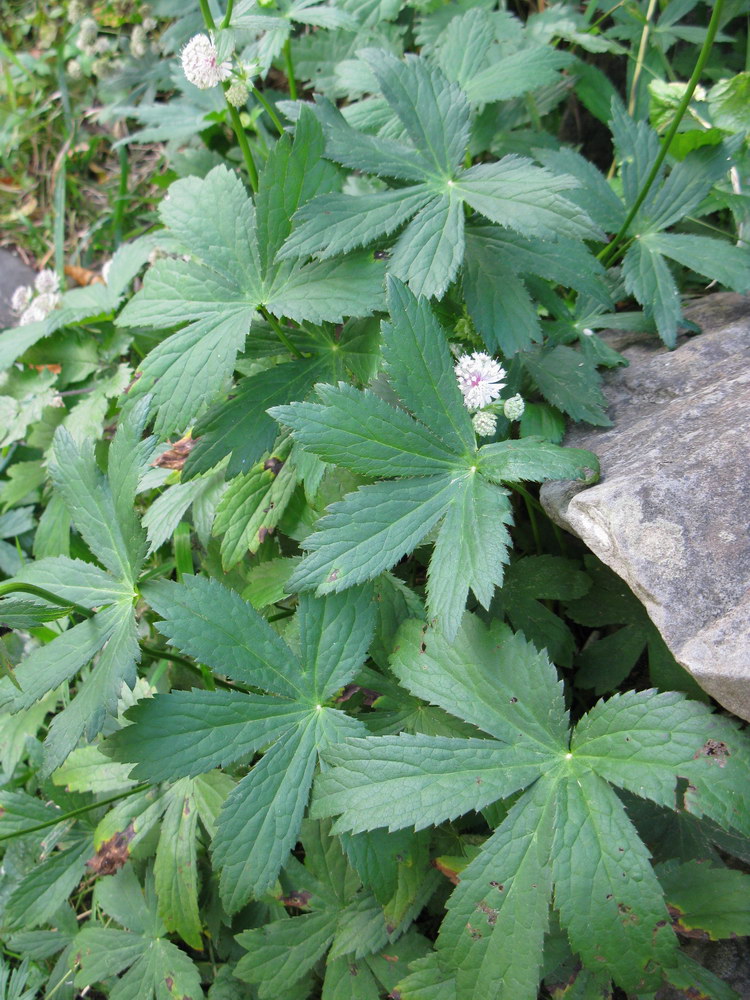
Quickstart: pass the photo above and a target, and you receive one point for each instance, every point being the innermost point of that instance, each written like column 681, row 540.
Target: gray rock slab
column 13, row 272
column 671, row 512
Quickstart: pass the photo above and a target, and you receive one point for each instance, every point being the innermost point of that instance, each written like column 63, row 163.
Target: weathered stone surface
column 13, row 272
column 671, row 512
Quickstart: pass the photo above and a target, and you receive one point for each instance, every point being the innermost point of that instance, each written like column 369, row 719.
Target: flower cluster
column 31, row 307
column 200, row 63
column 480, row 379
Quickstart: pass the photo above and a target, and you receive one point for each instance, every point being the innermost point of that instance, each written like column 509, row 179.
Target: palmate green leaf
column 42, row 892
column 536, row 460
column 470, row 551
column 707, row 898
column 338, row 912
column 175, row 869
column 568, row 380
column 489, row 677
column 185, row 733
column 493, row 934
column 496, row 296
column 239, row 427
column 370, row 530
column 359, row 430
column 649, row 279
column 231, row 273
column 417, row 780
column 434, row 114
column 252, row 506
column 420, row 368
column 608, row 896
column 102, row 511
column 156, row 968
column 530, row 581
column 260, row 820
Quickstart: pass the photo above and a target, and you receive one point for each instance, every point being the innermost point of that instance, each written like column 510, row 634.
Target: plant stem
column 30, row 588
column 165, row 654
column 244, row 146
column 279, row 332
column 609, row 253
column 208, row 18
column 290, row 69
column 228, row 16
column 641, row 55
column 257, row 94
column 76, row 812
column 234, row 114
column 122, row 194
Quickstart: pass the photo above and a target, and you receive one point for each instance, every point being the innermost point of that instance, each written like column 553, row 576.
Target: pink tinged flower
column 200, row 63
column 479, row 379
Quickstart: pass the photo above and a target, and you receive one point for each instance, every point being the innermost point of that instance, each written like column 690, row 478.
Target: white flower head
column 513, row 408
column 479, row 379
column 46, row 303
column 485, row 423
column 73, row 69
column 34, row 314
column 237, row 94
column 20, row 298
column 200, row 63
column 47, row 282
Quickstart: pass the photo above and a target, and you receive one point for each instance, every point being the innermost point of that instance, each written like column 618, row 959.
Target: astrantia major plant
column 298, row 697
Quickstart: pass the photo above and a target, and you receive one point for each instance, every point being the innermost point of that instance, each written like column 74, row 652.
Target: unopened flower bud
column 485, row 423
column 513, row 408
column 237, row 94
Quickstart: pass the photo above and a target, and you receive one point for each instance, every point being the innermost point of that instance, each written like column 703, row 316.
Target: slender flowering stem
column 244, row 145
column 208, row 17
column 228, row 16
column 257, row 94
column 233, row 112
column 610, row 252
column 80, row 811
column 290, row 69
